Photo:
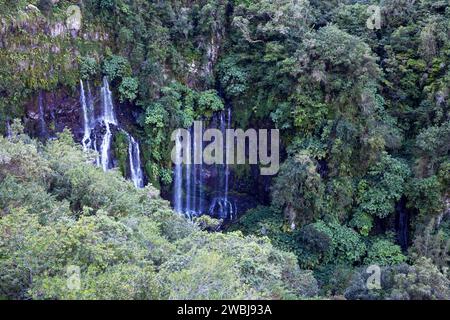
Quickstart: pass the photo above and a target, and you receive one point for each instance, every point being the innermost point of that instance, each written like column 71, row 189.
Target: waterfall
column 134, row 156
column 227, row 166
column 188, row 179
column 188, row 188
column 191, row 184
column 178, row 178
column 109, row 118
column 87, row 142
column 8, row 130
column 201, row 182
column 403, row 223
column 195, row 173
column 89, row 123
column 42, row 125
column 105, row 148
column 107, row 103
column 92, row 122
column 97, row 159
column 221, row 206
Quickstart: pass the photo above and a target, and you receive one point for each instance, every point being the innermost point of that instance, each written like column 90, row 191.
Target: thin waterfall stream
column 178, row 179
column 189, row 179
column 134, row 156
column 8, row 129
column 41, row 111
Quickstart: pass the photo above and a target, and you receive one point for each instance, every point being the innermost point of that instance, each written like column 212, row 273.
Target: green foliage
column 59, row 212
column 128, row 89
column 425, row 196
column 88, row 67
column 363, row 116
column 116, row 67
column 268, row 222
column 119, row 282
column 298, row 189
column 233, row 78
column 120, row 148
column 333, row 243
column 383, row 188
column 421, row 281
column 433, row 144
column 433, row 243
column 257, row 262
column 363, row 222
column 207, row 223
column 208, row 103
column 207, row 269
column 383, row 253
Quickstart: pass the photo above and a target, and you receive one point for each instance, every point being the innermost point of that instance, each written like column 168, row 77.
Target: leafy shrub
column 88, row 67
column 128, row 89
column 384, row 253
column 385, row 185
column 421, row 281
column 116, row 67
column 209, row 102
column 334, row 242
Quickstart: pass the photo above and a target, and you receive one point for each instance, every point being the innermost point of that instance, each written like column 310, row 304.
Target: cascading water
column 178, row 179
column 42, row 125
column 134, row 156
column 221, row 206
column 109, row 119
column 92, row 122
column 8, row 130
column 189, row 179
column 194, row 174
column 200, row 181
column 403, row 222
column 89, row 121
column 87, row 141
column 227, row 165
column 109, row 114
column 105, row 148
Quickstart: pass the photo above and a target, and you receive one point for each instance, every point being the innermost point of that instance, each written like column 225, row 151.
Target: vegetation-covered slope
column 365, row 131
column 58, row 211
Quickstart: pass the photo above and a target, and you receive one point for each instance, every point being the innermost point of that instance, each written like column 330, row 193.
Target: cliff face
column 363, row 113
column 43, row 42
column 56, row 110
column 46, row 48
column 39, row 56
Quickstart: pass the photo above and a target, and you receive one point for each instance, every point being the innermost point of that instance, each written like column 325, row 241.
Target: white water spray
column 86, row 142
column 134, row 156
column 109, row 118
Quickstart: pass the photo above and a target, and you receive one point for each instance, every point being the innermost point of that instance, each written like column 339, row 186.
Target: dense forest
column 91, row 90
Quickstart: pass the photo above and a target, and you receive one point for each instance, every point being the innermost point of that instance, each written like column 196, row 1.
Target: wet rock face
column 62, row 109
column 50, row 112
